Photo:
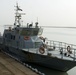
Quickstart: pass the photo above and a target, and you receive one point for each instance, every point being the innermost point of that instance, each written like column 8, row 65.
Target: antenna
column 37, row 19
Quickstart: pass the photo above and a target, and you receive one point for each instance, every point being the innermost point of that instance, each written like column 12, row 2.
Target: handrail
column 65, row 47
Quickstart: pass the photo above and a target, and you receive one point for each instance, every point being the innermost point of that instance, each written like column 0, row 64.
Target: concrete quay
column 9, row 66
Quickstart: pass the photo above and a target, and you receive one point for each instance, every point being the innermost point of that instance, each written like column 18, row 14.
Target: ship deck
column 62, row 56
column 57, row 49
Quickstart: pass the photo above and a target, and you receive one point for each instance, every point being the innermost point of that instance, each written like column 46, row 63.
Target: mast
column 18, row 16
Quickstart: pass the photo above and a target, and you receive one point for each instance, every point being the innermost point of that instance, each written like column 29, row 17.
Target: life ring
column 41, row 50
column 26, row 37
column 69, row 49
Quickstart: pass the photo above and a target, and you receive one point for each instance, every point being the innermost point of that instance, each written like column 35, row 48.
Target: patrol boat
column 26, row 44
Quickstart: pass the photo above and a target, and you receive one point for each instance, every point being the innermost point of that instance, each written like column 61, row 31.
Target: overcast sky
column 49, row 12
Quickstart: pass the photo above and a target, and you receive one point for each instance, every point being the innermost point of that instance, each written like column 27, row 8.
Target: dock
column 9, row 66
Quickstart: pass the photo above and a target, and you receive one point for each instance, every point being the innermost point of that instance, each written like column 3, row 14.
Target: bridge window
column 30, row 32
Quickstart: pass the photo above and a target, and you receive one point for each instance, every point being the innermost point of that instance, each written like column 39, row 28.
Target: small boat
column 27, row 44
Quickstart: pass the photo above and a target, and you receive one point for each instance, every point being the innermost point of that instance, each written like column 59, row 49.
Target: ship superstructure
column 22, row 37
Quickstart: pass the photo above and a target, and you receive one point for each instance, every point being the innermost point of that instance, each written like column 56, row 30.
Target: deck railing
column 63, row 48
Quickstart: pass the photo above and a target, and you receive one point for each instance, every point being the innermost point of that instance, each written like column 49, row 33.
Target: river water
column 63, row 35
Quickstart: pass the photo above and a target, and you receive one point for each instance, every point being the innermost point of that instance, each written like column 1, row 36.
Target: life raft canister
column 69, row 49
column 26, row 37
column 42, row 50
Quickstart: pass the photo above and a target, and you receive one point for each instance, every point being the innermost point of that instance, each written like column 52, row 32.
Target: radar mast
column 18, row 16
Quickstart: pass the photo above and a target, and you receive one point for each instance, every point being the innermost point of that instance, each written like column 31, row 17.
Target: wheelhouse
column 31, row 31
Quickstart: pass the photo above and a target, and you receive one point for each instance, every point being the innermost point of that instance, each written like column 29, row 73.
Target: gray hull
column 50, row 62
